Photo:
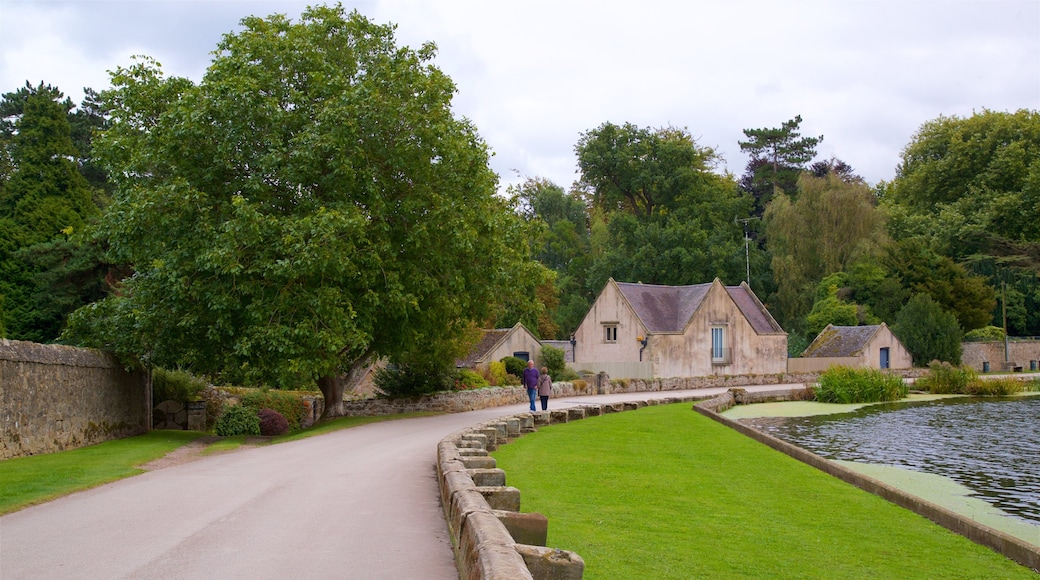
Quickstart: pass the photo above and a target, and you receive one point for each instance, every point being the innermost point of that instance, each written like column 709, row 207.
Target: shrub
column 928, row 331
column 579, row 385
column 404, row 380
column 514, row 366
column 496, row 373
column 946, row 379
column 848, row 385
column 511, row 381
column 469, row 380
column 215, row 403
column 552, row 358
column 272, row 423
column 998, row 387
column 985, row 334
column 175, row 385
column 238, row 420
column 287, row 404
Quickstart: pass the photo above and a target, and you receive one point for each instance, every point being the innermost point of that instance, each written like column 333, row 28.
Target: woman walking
column 544, row 387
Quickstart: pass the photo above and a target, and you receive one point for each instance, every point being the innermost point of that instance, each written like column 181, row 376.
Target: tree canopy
column 778, row 157
column 44, row 199
column 313, row 202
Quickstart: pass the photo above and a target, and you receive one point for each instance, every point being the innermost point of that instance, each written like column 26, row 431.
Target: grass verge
column 664, row 492
column 26, row 481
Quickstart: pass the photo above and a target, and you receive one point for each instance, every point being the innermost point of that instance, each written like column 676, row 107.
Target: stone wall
column 56, row 397
column 1020, row 354
column 456, row 402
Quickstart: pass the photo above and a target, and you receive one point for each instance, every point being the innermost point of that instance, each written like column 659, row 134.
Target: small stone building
column 873, row 346
column 655, row 331
column 496, row 344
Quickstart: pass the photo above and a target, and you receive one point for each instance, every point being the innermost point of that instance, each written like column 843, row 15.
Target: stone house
column 872, row 346
column 654, row 331
column 496, row 344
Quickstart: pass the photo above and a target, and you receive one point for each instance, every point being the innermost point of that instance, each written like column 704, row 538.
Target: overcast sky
column 533, row 75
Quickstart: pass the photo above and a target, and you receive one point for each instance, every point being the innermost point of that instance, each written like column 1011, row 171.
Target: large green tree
column 43, row 199
column 777, row 157
column 667, row 217
column 970, row 187
column 830, row 224
column 311, row 204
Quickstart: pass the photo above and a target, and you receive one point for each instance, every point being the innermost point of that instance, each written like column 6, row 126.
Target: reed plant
column 851, row 385
column 946, row 379
column 998, row 387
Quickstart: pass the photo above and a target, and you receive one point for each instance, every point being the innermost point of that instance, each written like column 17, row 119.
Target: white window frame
column 718, row 344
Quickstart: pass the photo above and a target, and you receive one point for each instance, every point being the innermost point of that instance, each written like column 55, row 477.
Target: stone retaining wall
column 56, row 397
column 1010, row 546
column 459, row 401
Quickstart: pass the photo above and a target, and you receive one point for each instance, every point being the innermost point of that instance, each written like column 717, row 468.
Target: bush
column 514, row 366
column 848, row 385
column 287, row 404
column 553, row 359
column 272, row 423
column 928, row 331
column 404, row 380
column 496, row 373
column 511, row 381
column 176, row 385
column 985, row 334
column 238, row 420
column 946, row 379
column 469, row 380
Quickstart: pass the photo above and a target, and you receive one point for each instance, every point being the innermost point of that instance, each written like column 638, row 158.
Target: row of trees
column 823, row 246
column 314, row 203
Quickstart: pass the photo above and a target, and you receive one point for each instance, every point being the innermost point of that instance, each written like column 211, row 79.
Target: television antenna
column 747, row 241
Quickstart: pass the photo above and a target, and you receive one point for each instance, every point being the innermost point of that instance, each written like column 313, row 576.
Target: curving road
column 357, row 503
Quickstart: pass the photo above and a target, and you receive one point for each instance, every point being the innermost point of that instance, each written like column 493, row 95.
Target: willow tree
column 830, row 225
column 311, row 204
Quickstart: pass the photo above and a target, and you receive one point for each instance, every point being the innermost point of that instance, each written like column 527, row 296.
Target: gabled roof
column 666, row 309
column 663, row 308
column 488, row 342
column 489, row 339
column 841, row 341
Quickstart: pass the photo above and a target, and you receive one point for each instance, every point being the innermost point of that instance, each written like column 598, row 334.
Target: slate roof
column 664, row 309
column 841, row 341
column 488, row 340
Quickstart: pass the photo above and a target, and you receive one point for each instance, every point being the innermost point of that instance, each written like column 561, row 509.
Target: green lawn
column 27, row 481
column 664, row 492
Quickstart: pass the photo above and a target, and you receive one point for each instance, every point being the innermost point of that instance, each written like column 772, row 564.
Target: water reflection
column 991, row 446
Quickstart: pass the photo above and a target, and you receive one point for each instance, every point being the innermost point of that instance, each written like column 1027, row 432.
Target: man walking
column 530, row 380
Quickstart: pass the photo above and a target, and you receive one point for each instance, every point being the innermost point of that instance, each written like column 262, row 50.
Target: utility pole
column 747, row 240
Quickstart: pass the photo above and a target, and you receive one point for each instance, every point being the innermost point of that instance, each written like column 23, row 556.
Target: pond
column 991, row 446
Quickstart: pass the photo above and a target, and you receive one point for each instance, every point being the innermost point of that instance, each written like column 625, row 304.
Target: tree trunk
column 333, row 386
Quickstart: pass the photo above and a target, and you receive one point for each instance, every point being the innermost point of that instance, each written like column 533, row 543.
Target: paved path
column 358, row 503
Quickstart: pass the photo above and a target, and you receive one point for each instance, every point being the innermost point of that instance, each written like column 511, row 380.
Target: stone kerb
column 1010, row 546
column 490, row 537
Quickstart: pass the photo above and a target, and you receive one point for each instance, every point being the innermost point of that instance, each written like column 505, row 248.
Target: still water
column 991, row 446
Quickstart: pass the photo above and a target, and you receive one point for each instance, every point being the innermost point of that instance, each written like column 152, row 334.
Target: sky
column 534, row 75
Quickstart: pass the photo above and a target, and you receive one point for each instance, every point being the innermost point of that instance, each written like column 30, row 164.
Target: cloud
column 533, row 75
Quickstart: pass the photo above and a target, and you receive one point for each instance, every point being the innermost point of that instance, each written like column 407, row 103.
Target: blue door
column 884, row 357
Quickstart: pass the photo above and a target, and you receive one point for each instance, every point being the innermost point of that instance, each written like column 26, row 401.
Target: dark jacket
column 530, row 378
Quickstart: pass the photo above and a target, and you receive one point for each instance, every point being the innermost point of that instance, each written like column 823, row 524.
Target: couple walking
column 537, row 384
